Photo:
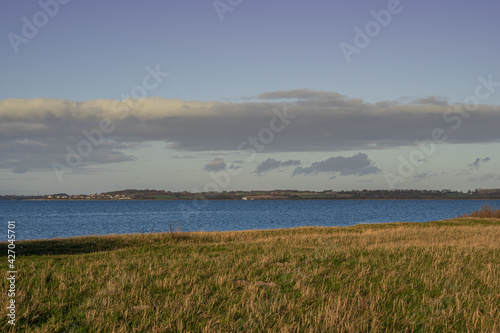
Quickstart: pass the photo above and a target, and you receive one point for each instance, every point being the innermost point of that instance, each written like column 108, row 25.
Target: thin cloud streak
column 358, row 164
column 478, row 162
column 272, row 164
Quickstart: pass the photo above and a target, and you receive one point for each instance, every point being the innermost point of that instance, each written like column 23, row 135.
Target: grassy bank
column 415, row 277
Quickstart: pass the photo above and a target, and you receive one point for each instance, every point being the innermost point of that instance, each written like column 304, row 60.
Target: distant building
column 487, row 190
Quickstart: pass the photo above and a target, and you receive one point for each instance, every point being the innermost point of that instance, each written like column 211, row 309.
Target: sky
column 239, row 95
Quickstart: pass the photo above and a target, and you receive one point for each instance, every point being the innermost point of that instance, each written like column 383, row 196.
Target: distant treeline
column 148, row 194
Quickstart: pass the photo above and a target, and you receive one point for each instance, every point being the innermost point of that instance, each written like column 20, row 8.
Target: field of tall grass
column 441, row 276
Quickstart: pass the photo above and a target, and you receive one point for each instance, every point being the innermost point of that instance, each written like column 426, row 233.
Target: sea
column 59, row 219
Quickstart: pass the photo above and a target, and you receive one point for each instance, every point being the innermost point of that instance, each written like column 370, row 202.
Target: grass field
column 400, row 277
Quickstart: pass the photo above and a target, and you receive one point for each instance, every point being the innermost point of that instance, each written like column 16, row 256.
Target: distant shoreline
column 133, row 194
column 339, row 199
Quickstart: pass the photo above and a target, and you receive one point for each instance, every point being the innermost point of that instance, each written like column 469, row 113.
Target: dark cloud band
column 36, row 132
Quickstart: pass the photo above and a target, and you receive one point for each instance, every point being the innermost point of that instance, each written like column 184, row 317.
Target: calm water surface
column 52, row 219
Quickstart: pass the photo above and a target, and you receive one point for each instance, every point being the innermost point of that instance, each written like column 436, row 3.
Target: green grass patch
column 441, row 276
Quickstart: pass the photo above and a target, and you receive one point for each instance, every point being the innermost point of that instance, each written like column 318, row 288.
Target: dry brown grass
column 402, row 277
column 485, row 212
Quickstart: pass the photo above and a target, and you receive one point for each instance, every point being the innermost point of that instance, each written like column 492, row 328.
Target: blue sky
column 425, row 60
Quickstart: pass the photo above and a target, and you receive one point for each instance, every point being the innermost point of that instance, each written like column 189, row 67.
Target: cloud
column 216, row 165
column 235, row 165
column 271, row 164
column 423, row 176
column 432, row 100
column 36, row 132
column 23, row 155
column 184, row 157
column 358, row 164
column 484, row 177
column 487, row 176
column 463, row 173
column 478, row 161
column 17, row 179
column 290, row 163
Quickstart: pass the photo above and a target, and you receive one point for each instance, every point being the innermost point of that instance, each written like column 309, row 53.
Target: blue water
column 53, row 219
